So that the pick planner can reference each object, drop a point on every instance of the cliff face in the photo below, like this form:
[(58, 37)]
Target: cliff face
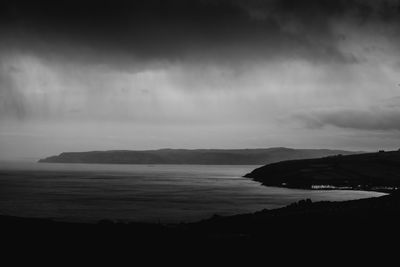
[(370, 171), (198, 156)]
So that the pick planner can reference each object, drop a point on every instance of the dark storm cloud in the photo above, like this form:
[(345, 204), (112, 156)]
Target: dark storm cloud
[(189, 73), (178, 30), (381, 119)]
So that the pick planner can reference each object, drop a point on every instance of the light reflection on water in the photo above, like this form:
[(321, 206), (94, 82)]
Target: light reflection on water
[(152, 193)]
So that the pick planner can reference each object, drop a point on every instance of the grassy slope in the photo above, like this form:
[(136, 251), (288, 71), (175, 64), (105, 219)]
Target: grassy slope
[(370, 171)]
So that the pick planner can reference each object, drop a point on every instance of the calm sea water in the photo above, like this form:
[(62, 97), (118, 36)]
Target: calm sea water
[(150, 193)]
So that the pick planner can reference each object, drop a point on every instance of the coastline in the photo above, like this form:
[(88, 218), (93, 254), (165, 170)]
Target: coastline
[(303, 218), (331, 188)]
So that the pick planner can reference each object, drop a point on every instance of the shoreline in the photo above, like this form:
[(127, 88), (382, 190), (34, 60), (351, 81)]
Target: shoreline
[(386, 191)]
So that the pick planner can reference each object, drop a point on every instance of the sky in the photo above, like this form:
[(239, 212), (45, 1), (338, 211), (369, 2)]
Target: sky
[(104, 75)]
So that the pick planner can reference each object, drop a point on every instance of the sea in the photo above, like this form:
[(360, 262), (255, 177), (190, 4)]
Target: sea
[(143, 193)]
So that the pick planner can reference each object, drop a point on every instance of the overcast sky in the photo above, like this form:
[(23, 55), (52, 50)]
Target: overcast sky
[(97, 75)]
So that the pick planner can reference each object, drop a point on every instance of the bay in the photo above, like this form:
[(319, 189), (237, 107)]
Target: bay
[(144, 193)]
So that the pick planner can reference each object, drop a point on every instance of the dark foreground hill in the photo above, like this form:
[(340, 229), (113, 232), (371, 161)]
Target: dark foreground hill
[(370, 171), (348, 222), (196, 156)]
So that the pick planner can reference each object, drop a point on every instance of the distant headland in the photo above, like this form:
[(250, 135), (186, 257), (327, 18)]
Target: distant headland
[(194, 156)]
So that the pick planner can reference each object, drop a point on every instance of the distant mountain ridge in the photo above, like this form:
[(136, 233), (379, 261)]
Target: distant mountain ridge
[(259, 156)]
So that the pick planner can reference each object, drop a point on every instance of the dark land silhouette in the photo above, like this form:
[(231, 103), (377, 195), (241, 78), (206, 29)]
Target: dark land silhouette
[(333, 221), (378, 171), (195, 156)]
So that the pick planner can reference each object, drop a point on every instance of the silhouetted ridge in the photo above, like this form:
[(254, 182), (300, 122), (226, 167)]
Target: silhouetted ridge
[(195, 156)]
